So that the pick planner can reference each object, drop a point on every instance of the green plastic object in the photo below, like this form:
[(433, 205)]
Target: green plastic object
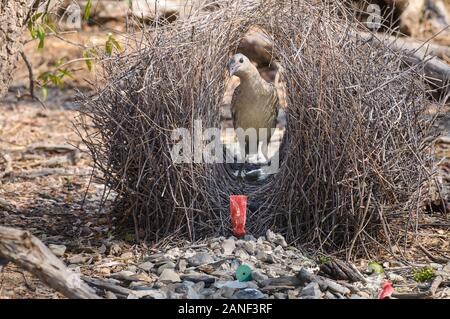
[(244, 273)]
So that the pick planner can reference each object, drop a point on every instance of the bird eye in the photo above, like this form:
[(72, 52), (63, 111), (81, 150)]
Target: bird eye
[(241, 60)]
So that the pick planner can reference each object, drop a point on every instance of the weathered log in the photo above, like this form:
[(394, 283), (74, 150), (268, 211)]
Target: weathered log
[(419, 53), (29, 253)]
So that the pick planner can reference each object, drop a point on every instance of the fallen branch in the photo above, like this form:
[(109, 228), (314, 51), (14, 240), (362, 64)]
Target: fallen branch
[(436, 259), (35, 173), (59, 148), (418, 52), (107, 286), (435, 285), (29, 253)]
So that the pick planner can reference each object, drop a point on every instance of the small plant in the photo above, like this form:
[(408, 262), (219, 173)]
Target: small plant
[(40, 25), (323, 260), (375, 268), (424, 274), (54, 77)]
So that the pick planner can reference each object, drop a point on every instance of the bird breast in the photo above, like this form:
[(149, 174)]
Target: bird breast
[(253, 109)]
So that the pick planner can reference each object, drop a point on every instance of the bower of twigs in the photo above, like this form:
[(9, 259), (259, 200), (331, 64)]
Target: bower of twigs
[(351, 160)]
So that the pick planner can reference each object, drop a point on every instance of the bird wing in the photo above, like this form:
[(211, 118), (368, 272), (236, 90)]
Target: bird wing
[(233, 104), (273, 103)]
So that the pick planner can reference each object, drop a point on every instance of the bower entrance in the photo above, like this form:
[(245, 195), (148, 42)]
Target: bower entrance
[(257, 46), (353, 160)]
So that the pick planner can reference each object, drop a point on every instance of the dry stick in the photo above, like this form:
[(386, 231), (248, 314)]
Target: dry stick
[(29, 253), (435, 285), (434, 67), (30, 73), (433, 258)]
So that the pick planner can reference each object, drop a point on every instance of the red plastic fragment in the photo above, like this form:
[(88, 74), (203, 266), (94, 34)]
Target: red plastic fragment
[(386, 291), (238, 212)]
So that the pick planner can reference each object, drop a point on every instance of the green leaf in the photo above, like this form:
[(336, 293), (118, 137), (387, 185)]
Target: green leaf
[(56, 80), (65, 72), (44, 77), (87, 10), (424, 274), (375, 267), (130, 4), (32, 30), (115, 43), (109, 47), (44, 92), (129, 237), (41, 35), (88, 60), (111, 43), (35, 17)]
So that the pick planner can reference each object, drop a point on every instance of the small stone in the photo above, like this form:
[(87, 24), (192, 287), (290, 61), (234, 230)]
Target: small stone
[(249, 238), (292, 294), (200, 259), (364, 295), (276, 238), (168, 265), (215, 245), (115, 250), (131, 276), (249, 293), (329, 295), (173, 253), (182, 264), (263, 247), (147, 294), (147, 266), (311, 290), (228, 246), (196, 277), (436, 266), (110, 295), (102, 249), (280, 295), (241, 254), (235, 284), (78, 259), (335, 287), (105, 271), (58, 250), (396, 278), (224, 275), (132, 268), (139, 285), (127, 255), (259, 277), (446, 268), (226, 292), (169, 276), (249, 247), (278, 250), (207, 292), (193, 294), (265, 257)]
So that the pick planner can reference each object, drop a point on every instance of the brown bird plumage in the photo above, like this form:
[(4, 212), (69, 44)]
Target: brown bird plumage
[(255, 102)]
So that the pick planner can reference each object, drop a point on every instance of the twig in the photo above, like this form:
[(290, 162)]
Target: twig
[(29, 253), (433, 258)]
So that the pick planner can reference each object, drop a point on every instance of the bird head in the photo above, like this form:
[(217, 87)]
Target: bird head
[(239, 64)]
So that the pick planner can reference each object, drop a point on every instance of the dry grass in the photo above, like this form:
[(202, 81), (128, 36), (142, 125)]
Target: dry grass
[(352, 159)]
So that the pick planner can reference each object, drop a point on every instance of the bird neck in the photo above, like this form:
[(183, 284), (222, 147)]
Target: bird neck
[(250, 81)]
